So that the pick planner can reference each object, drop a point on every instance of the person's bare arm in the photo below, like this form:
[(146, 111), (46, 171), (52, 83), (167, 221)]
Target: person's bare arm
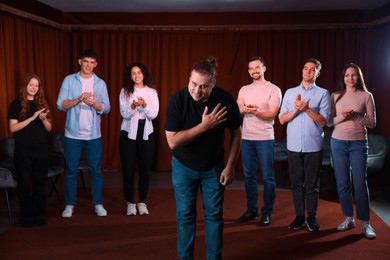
[(227, 175)]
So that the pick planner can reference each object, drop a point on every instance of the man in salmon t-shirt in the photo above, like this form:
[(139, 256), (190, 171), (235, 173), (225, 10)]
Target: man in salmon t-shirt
[(259, 103)]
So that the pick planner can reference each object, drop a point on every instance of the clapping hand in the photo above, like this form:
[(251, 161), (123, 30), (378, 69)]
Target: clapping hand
[(37, 113), (250, 108), (299, 104), (348, 114), (43, 114), (140, 102)]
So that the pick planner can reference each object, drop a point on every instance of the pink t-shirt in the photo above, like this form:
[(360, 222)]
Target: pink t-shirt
[(361, 102), (253, 127)]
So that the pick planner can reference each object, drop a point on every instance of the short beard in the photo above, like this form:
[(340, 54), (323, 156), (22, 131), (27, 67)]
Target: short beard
[(258, 77)]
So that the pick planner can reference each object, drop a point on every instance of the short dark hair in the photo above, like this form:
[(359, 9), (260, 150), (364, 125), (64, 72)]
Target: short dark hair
[(88, 53), (253, 58), (316, 62)]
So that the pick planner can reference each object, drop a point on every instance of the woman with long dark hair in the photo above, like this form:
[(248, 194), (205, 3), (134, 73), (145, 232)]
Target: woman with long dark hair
[(139, 105), (353, 110), (29, 121)]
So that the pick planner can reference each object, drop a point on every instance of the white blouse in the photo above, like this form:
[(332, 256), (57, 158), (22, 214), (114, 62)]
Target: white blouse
[(131, 117)]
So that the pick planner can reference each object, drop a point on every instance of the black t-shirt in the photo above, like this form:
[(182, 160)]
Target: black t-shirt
[(34, 133), (183, 112)]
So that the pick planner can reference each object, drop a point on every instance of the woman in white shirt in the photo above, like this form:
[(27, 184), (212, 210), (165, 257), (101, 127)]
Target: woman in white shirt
[(139, 105)]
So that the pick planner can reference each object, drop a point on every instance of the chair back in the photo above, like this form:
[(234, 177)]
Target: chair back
[(9, 147), (280, 150), (326, 158), (6, 179), (57, 140), (377, 152)]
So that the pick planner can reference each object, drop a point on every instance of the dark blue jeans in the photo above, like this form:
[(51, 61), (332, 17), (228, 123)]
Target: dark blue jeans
[(251, 153), (350, 157), (186, 184)]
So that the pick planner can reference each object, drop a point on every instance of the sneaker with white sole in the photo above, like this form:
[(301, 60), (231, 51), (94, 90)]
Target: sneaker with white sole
[(131, 209), (298, 223), (68, 211), (369, 232), (312, 224), (142, 209), (347, 224), (100, 211)]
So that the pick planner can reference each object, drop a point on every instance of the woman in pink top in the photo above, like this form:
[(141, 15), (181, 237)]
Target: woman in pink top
[(353, 110)]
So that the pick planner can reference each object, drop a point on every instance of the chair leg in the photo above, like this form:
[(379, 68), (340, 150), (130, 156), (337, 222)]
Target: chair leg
[(9, 206), (54, 187), (82, 179)]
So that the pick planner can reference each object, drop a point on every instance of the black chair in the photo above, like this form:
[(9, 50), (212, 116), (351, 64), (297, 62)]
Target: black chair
[(377, 153), (281, 155), (7, 181), (328, 179), (55, 167), (58, 146), (8, 146), (56, 162), (326, 148)]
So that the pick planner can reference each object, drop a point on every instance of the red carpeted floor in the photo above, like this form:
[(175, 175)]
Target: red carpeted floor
[(117, 236)]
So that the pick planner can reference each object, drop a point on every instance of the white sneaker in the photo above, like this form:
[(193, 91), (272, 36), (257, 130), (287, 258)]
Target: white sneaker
[(347, 224), (100, 211), (142, 209), (68, 211), (131, 209), (369, 232)]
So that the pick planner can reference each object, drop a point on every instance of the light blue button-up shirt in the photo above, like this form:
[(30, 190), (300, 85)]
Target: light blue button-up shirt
[(71, 89), (303, 134)]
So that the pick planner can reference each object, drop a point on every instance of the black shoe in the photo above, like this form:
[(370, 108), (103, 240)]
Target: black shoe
[(248, 215), (312, 224), (298, 223), (265, 220)]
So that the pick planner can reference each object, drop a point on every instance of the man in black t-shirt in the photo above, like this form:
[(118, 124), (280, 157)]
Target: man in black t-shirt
[(196, 118)]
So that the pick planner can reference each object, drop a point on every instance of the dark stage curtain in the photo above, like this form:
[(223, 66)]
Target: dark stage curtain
[(52, 51)]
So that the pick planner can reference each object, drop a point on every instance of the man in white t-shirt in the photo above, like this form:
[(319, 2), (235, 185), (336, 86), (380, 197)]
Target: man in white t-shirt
[(259, 104), (84, 98)]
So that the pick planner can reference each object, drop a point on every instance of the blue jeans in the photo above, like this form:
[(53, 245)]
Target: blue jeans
[(186, 184), (350, 157), (94, 151), (262, 151)]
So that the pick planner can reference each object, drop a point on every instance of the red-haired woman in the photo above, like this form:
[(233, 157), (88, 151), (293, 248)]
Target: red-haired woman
[(29, 121)]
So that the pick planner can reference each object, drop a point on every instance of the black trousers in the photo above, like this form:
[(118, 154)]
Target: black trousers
[(136, 153), (31, 165), (304, 169)]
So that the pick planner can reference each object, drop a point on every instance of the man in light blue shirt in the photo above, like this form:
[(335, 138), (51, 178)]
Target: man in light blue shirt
[(306, 110), (84, 98)]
